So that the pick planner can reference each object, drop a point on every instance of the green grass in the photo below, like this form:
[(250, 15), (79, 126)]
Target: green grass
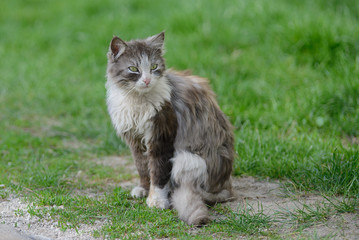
[(307, 215), (125, 215), (285, 72)]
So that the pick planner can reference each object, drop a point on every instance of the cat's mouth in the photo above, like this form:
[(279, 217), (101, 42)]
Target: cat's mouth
[(144, 88)]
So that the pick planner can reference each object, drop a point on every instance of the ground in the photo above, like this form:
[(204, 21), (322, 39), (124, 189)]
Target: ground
[(267, 197)]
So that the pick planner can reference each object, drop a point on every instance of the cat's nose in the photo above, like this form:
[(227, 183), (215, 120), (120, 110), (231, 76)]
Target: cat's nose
[(147, 81)]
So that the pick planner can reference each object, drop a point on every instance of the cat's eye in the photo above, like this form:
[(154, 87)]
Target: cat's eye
[(154, 66), (133, 69)]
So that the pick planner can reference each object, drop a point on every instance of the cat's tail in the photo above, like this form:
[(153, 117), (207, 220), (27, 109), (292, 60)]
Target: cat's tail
[(188, 172), (190, 206)]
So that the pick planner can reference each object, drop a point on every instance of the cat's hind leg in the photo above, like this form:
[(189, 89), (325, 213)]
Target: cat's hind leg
[(189, 172)]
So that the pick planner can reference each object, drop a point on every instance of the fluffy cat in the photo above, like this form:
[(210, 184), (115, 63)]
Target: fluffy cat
[(181, 141)]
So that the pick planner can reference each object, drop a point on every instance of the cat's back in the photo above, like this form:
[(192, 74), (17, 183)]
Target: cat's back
[(200, 120), (189, 88)]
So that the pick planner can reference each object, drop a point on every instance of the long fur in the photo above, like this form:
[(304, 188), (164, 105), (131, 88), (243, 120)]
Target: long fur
[(180, 139), (189, 205), (132, 111), (189, 172)]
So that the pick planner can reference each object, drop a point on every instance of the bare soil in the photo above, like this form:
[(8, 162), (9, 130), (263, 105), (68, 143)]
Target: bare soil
[(251, 193)]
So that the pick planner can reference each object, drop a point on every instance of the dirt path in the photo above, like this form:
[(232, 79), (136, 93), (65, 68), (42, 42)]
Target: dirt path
[(251, 193), (273, 200)]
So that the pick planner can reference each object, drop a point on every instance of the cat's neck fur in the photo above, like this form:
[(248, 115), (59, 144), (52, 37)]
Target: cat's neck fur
[(131, 111)]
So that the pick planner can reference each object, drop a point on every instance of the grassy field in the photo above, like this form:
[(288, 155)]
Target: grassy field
[(285, 72)]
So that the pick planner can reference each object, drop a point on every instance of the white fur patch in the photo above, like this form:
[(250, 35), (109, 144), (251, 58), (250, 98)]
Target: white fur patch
[(131, 111), (188, 167), (158, 197), (139, 192)]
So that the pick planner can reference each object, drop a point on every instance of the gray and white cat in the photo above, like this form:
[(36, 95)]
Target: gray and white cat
[(181, 141)]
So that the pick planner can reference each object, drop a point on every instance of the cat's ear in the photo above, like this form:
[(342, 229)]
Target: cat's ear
[(117, 47), (157, 41)]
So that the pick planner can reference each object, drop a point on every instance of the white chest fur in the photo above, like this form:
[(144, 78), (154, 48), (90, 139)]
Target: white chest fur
[(133, 111)]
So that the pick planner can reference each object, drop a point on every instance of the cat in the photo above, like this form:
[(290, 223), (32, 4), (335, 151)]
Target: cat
[(180, 140)]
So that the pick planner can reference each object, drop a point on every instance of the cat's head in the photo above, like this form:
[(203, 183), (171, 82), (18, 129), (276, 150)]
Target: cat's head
[(136, 65)]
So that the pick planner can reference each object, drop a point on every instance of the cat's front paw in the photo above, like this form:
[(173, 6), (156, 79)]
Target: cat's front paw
[(162, 203), (158, 198), (139, 192)]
